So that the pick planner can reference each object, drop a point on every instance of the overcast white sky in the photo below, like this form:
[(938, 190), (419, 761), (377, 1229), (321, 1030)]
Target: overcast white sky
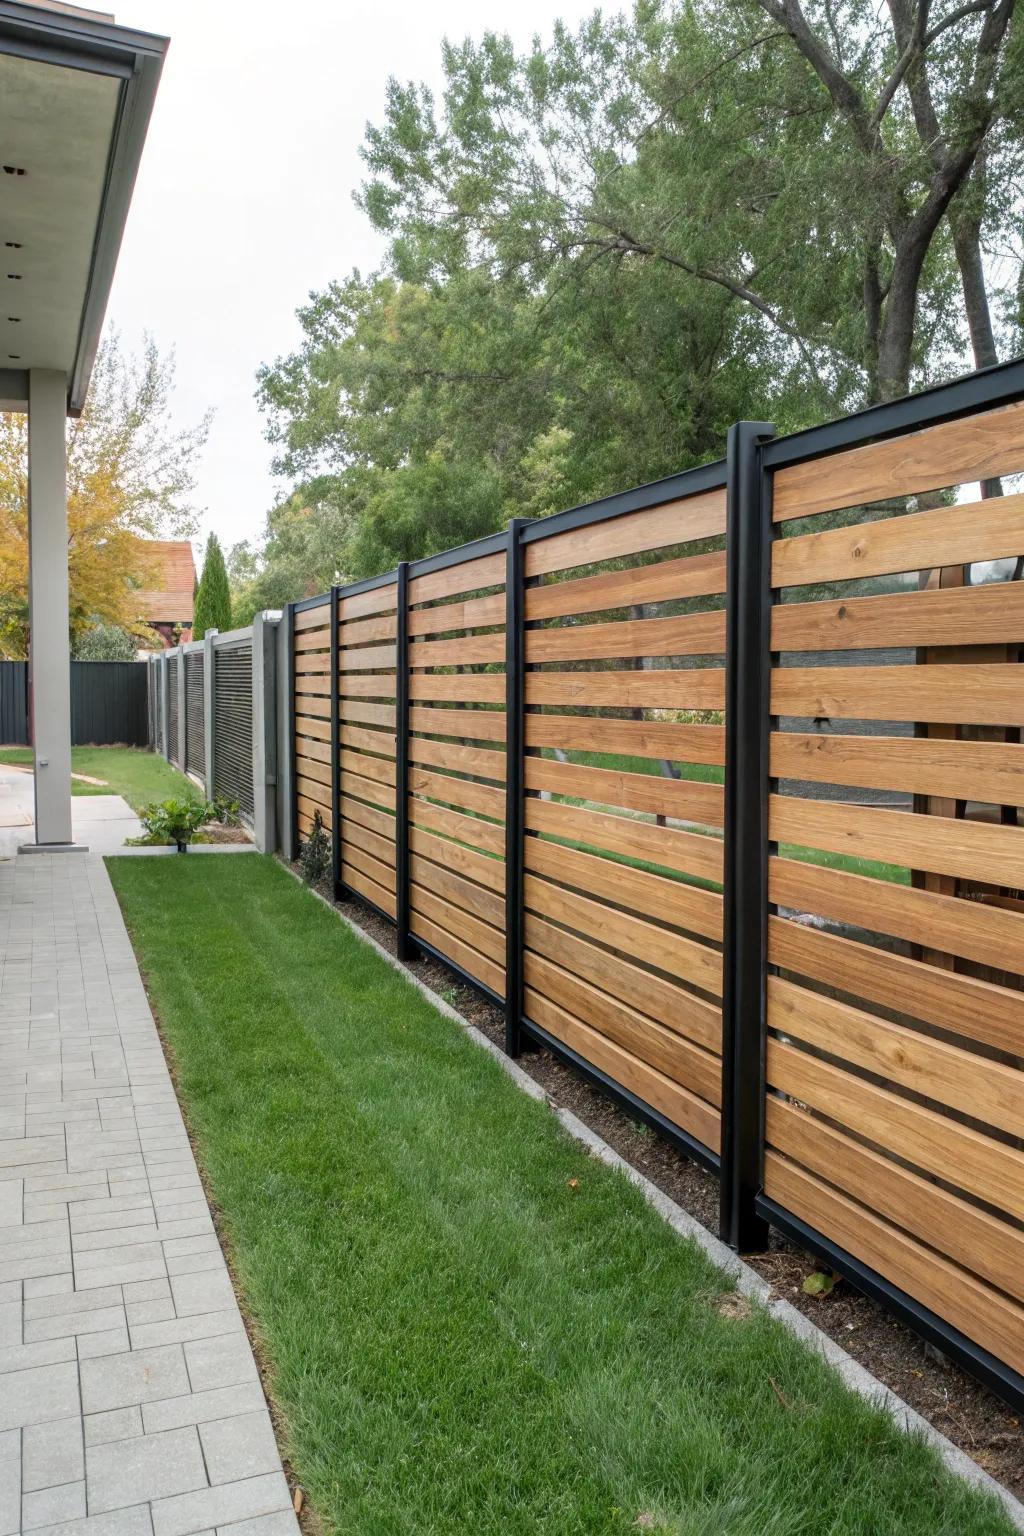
[(244, 200)]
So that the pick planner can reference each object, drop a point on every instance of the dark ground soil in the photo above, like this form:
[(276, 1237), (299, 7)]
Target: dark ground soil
[(957, 1405)]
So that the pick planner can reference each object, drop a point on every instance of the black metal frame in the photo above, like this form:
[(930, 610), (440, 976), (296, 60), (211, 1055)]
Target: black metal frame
[(404, 945), (335, 738), (515, 790), (745, 884)]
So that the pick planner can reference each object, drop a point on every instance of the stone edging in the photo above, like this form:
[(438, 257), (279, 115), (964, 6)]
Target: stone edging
[(747, 1280)]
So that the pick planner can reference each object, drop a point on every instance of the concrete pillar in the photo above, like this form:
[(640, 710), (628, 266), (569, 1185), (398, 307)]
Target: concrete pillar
[(179, 745), (165, 696), (50, 650), (209, 706), (264, 730), (285, 802)]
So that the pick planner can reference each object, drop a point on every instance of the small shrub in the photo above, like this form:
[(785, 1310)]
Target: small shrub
[(174, 821), (226, 811), (315, 853)]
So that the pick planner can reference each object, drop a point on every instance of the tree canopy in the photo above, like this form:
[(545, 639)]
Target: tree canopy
[(604, 250), (213, 597)]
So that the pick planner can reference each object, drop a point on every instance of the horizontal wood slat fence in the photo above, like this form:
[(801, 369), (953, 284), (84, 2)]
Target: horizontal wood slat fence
[(714, 787)]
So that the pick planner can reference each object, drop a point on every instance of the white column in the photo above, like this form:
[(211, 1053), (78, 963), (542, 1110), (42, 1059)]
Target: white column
[(50, 651)]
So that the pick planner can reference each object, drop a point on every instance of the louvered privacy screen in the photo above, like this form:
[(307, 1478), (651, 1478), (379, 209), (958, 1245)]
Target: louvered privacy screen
[(232, 724), (752, 861), (195, 730), (158, 693)]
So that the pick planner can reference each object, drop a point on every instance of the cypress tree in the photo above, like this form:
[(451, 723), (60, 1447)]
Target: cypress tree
[(213, 596)]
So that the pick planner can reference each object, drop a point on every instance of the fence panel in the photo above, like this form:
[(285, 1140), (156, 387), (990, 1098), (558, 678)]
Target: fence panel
[(172, 707), (894, 1114), (14, 703), (195, 732), (311, 715), (366, 692), (232, 724)]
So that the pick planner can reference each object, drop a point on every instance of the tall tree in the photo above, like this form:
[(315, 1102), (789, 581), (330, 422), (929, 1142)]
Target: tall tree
[(130, 479), (213, 595)]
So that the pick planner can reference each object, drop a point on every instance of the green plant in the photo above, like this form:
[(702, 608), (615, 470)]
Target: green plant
[(213, 598), (226, 810), (315, 853), (175, 821)]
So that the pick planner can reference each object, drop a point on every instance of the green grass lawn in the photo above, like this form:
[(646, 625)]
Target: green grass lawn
[(469, 1325), (138, 775)]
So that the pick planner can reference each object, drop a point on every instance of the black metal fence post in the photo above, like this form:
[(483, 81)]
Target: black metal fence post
[(747, 727), (339, 890), (515, 710), (405, 948)]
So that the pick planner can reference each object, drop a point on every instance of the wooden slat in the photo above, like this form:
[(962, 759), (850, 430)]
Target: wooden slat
[(364, 631), (978, 1010), (454, 856), (311, 789), (991, 614), (691, 576), (930, 1141), (313, 618), (694, 634), (968, 1235), (309, 769), (961, 770), (466, 688), (666, 1001), (311, 687), (953, 453), (368, 789), (469, 576), (468, 650), (367, 658), (669, 901), (312, 708), (960, 695), (675, 522), (471, 960), (313, 642), (959, 535), (948, 924), (376, 600), (472, 797), (308, 808), (368, 741), (473, 760), (973, 850), (984, 1315), (357, 881), (368, 714), (365, 685), (688, 799), (985, 1090), (473, 613), (354, 835), (691, 853), (313, 751), (355, 857), (481, 936), (484, 835), (304, 818), (641, 940), (307, 727), (369, 767), (472, 724), (650, 1042), (636, 738), (671, 1099), (693, 688), (457, 890), (313, 664), (368, 816)]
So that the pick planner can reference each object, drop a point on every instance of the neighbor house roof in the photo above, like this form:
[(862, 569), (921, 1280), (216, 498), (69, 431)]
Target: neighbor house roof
[(169, 596)]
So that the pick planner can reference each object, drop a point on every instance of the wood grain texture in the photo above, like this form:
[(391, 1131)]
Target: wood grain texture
[(311, 727), (367, 685), (473, 613), (949, 924), (466, 651), (313, 641), (958, 695), (633, 936), (992, 614), (953, 453), (363, 631), (367, 658), (313, 664), (690, 576), (378, 768), (306, 811), (691, 853), (359, 882), (461, 792), (315, 751), (694, 634), (962, 770), (468, 724), (660, 688), (355, 856), (473, 760), (368, 714), (681, 1011), (670, 1098), (992, 1320), (475, 866), (470, 959), (458, 891), (687, 799), (369, 816), (637, 738), (368, 789), (659, 1047), (972, 850), (466, 688), (469, 576), (311, 708), (977, 1010), (356, 736), (669, 901), (968, 1235), (309, 769), (377, 600), (959, 1079), (675, 522), (314, 618), (968, 1159), (470, 830), (455, 919), (319, 795)]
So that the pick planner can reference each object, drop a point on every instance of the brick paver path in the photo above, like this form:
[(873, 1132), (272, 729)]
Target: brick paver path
[(129, 1399)]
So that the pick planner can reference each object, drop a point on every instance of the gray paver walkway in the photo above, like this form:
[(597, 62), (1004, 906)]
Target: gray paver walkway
[(129, 1399)]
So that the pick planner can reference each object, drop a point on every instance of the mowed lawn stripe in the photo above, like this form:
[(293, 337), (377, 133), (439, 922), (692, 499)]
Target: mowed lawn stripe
[(469, 1325)]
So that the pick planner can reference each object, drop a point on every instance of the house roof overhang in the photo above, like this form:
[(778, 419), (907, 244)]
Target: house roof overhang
[(76, 94)]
